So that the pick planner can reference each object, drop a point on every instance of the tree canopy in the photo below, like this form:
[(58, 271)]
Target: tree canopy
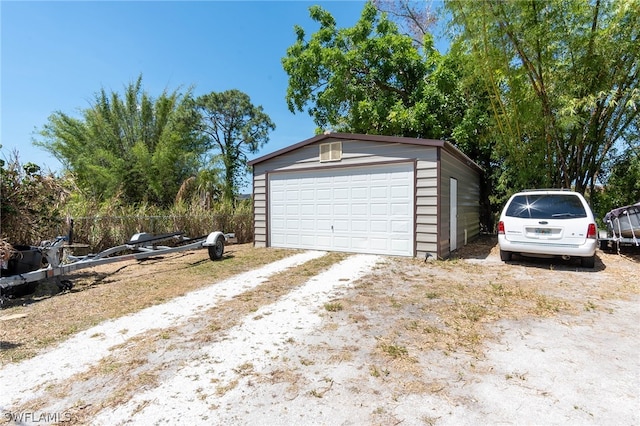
[(364, 79), (131, 146), (563, 79), (232, 127)]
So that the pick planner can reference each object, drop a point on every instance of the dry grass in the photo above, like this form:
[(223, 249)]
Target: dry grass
[(112, 291), (442, 313)]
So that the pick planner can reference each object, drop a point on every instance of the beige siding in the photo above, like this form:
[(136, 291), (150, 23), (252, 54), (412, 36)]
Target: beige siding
[(354, 153), (468, 221), (427, 205), (260, 210)]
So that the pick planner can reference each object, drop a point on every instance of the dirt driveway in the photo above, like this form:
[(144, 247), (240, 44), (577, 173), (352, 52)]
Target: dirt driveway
[(326, 338)]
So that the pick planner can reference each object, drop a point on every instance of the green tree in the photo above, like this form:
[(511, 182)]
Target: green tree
[(621, 187), (129, 146), (373, 79), (563, 83), (232, 127), (364, 79)]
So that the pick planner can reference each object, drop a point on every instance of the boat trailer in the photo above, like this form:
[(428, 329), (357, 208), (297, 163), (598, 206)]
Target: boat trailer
[(50, 260), (623, 228)]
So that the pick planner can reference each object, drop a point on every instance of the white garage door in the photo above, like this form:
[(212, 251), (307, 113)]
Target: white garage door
[(362, 210)]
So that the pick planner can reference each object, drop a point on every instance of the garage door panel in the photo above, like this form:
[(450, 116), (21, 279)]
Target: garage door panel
[(307, 240), (359, 226), (378, 209), (379, 225), (340, 210), (399, 226), (308, 194), (323, 224), (360, 209), (400, 209), (341, 242), (341, 226), (359, 193), (399, 192), (277, 240), (292, 239), (323, 194), (341, 194), (323, 241), (365, 209), (382, 176), (277, 196), (324, 210), (307, 224), (380, 244), (400, 245), (361, 243), (308, 209), (378, 192)]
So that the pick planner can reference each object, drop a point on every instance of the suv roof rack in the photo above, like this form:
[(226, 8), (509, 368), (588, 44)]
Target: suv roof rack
[(547, 189)]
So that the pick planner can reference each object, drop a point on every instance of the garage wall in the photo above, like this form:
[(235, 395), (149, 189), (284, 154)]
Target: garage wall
[(357, 153), (427, 206), (434, 166), (260, 210), (354, 153), (468, 201)]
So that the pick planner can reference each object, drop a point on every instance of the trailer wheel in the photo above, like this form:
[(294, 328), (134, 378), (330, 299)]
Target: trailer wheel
[(216, 251), (64, 285)]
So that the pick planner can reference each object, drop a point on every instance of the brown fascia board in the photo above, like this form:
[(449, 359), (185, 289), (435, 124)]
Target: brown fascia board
[(374, 138)]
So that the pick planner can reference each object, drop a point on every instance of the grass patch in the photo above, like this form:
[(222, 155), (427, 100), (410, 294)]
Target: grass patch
[(333, 306)]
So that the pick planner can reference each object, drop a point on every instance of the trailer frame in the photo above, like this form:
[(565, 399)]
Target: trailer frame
[(140, 246)]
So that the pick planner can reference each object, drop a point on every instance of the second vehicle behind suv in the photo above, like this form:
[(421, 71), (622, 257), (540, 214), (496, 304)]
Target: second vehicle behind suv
[(548, 223)]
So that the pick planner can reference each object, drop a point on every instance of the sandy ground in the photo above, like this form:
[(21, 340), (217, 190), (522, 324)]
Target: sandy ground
[(292, 362)]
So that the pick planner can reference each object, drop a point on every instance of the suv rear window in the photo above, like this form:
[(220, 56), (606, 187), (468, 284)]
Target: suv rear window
[(546, 206)]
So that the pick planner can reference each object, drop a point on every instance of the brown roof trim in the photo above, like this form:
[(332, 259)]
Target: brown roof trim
[(373, 138)]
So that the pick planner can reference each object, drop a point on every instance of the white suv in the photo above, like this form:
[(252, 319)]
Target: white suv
[(547, 223)]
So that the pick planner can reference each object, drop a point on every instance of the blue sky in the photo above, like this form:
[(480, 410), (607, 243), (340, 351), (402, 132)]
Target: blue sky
[(56, 55)]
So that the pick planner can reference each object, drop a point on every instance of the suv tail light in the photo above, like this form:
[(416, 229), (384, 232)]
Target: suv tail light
[(591, 232), (501, 227)]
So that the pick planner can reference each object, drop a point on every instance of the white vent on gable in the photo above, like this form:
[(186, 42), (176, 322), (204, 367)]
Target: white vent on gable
[(331, 151)]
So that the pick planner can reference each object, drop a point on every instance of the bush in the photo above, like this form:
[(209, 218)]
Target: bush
[(31, 202), (113, 227), (36, 206)]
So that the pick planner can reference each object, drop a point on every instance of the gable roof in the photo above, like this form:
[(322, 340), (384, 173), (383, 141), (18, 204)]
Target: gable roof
[(372, 138)]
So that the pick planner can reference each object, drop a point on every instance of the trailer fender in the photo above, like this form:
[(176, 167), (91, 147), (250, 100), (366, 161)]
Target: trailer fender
[(215, 243)]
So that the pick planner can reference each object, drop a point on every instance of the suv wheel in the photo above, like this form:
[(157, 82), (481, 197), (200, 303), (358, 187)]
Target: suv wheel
[(588, 262), (505, 256)]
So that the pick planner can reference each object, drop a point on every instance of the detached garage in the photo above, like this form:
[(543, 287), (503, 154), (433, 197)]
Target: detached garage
[(366, 194)]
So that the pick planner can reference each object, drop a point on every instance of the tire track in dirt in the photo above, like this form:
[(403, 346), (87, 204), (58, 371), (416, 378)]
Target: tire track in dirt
[(27, 380), (188, 396)]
